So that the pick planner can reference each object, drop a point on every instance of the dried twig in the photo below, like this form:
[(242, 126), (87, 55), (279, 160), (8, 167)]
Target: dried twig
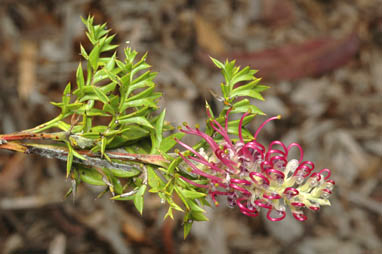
[(124, 161)]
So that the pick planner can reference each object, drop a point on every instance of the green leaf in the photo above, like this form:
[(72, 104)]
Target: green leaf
[(62, 125), (94, 112), (157, 140), (93, 57), (144, 94), (69, 160), (187, 228), (142, 80), (66, 94), (103, 145), (198, 216), (100, 75), (124, 173), (136, 120), (83, 53), (77, 155), (218, 64), (245, 74), (173, 204), (117, 186), (173, 165), (153, 179), (260, 88), (138, 199), (136, 132), (248, 86), (80, 77), (108, 88), (192, 194), (182, 197), (249, 93), (100, 95), (110, 63), (194, 207), (91, 176), (245, 106), (169, 213), (149, 102), (235, 123), (169, 141)]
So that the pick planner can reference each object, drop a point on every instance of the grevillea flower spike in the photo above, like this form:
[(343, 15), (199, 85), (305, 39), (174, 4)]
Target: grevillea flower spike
[(254, 177)]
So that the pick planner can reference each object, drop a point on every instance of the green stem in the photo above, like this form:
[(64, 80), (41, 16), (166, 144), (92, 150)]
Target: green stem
[(45, 126)]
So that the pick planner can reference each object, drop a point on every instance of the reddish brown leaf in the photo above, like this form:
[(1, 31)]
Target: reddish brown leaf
[(11, 171), (290, 62)]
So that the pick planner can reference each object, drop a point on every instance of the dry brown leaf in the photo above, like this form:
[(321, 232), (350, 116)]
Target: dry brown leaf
[(294, 61), (27, 69), (207, 37), (133, 228), (11, 171)]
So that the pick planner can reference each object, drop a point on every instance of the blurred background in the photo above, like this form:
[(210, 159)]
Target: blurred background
[(322, 59)]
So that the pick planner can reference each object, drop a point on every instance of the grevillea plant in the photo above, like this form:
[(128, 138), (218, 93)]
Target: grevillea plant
[(112, 134)]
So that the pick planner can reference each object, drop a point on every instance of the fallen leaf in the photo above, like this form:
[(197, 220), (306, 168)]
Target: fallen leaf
[(207, 37), (27, 69), (294, 61)]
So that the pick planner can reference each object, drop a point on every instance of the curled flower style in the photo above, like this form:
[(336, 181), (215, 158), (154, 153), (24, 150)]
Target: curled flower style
[(254, 177)]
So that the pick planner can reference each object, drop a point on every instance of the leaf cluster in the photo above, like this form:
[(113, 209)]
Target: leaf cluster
[(113, 105)]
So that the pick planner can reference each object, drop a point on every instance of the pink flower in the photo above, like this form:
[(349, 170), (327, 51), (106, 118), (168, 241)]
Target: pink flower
[(254, 177)]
